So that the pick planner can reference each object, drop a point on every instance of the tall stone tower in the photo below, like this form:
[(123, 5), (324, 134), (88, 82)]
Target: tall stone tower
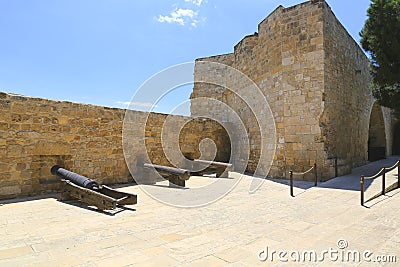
[(315, 78)]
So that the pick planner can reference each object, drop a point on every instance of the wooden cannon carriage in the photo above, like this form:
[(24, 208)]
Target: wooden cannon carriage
[(175, 176), (220, 168), (90, 192), (178, 176)]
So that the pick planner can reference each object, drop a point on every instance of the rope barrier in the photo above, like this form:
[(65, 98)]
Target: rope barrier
[(376, 175), (303, 173), (388, 169), (291, 173), (382, 173)]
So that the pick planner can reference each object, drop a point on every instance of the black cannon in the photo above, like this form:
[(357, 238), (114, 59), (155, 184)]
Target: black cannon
[(220, 168), (175, 176), (90, 192), (75, 178)]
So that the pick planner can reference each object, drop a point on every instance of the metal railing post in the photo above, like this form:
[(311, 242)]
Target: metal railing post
[(315, 174), (291, 183), (383, 180), (398, 174), (336, 167), (362, 189)]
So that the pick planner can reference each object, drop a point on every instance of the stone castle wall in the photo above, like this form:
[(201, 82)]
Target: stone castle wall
[(315, 78), (313, 74), (285, 59), (347, 97), (37, 133)]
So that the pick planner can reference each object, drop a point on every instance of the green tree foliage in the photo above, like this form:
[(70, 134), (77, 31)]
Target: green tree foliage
[(380, 37)]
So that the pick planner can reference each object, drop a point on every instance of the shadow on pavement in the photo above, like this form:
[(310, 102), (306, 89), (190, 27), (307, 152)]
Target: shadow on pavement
[(352, 181), (82, 205)]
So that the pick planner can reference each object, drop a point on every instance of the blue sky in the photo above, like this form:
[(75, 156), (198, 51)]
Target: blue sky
[(101, 51)]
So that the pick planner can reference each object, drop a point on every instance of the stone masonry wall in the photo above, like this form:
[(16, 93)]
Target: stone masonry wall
[(348, 100), (285, 60), (37, 133), (316, 80)]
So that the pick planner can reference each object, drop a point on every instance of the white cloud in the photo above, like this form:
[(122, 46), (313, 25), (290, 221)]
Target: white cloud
[(180, 16), (197, 21), (196, 2), (136, 104)]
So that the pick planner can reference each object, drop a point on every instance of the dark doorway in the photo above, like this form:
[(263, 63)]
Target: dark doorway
[(377, 136)]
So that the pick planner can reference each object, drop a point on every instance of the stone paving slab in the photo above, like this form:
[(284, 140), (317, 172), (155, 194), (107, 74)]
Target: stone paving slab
[(231, 231)]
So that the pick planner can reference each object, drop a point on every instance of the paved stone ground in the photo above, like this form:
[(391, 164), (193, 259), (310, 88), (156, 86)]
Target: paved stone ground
[(231, 231)]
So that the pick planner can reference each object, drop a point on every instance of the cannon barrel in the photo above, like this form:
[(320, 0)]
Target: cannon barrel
[(185, 174), (74, 178), (222, 164)]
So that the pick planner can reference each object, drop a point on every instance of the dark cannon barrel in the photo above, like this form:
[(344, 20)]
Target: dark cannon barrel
[(185, 174), (75, 178)]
